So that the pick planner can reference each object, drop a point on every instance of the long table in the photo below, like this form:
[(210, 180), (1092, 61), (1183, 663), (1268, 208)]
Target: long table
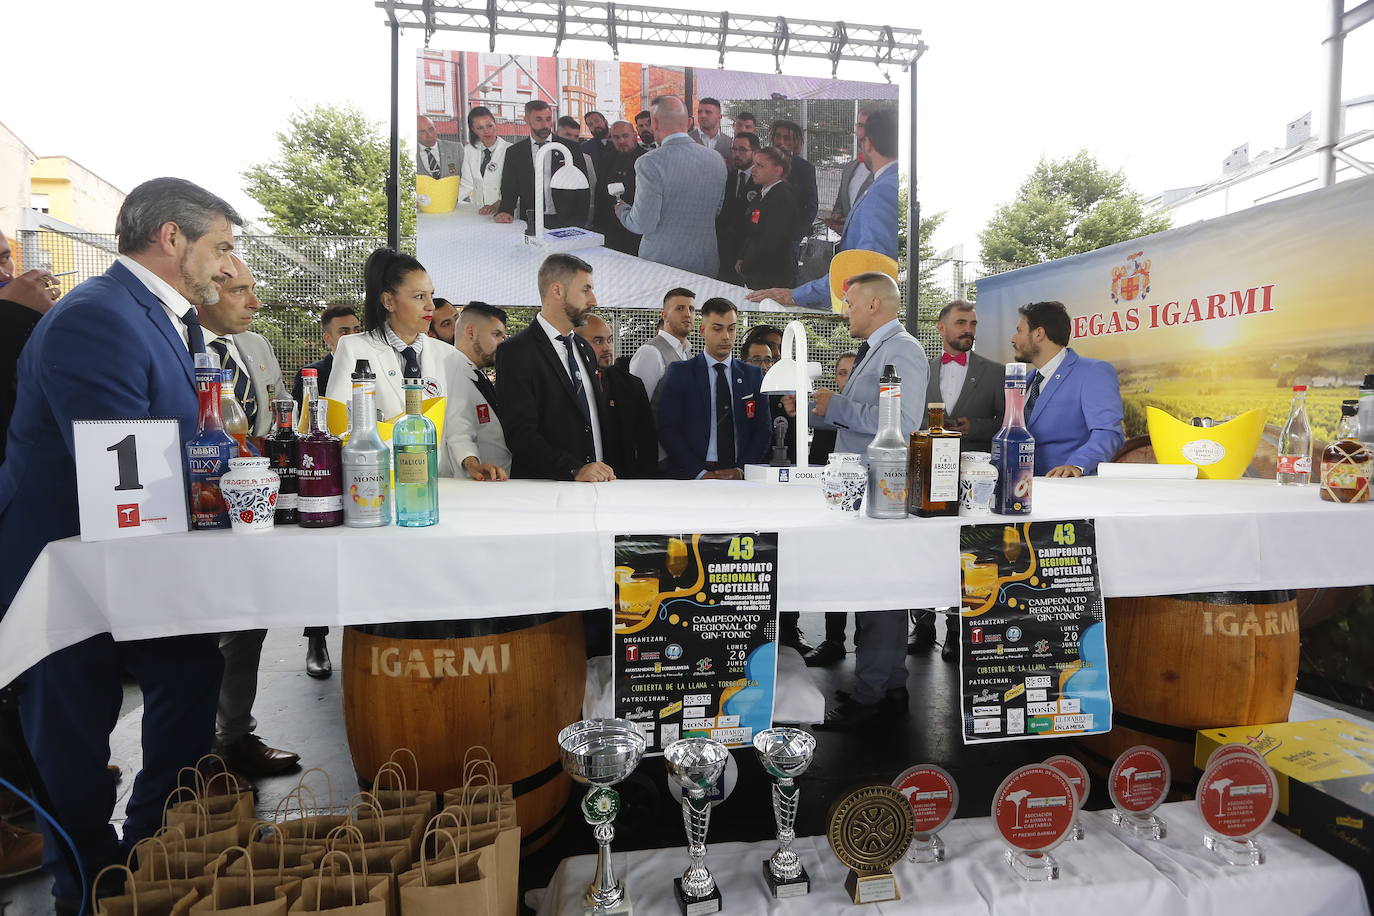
[(521, 547)]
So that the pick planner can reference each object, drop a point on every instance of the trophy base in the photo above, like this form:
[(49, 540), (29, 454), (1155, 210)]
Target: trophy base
[(1033, 866), (1148, 827), (799, 886), (623, 908), (872, 888), (927, 851), (1234, 852), (696, 906), (1077, 832)]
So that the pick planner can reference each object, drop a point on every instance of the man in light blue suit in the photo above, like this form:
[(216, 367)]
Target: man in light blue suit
[(872, 223), (117, 347), (1073, 404), (679, 188)]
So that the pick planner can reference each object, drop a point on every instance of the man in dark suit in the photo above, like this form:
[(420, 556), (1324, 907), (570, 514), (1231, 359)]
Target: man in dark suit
[(338, 319), (768, 257), (628, 414), (117, 347), (617, 167), (599, 149), (712, 417), (553, 408), (730, 224), (787, 136), (562, 207), (23, 300)]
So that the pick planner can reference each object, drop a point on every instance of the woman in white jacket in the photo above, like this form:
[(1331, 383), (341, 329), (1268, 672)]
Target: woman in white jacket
[(484, 156), (398, 306)]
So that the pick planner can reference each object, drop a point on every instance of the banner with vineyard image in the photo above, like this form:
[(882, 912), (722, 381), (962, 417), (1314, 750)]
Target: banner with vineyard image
[(1222, 316)]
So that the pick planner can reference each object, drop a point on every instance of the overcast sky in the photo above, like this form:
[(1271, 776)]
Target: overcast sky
[(1164, 89)]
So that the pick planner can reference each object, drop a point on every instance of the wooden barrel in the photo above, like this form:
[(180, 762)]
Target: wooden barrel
[(438, 688), (1180, 663)]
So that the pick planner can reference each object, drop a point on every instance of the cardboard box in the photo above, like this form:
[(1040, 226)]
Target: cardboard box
[(1325, 772)]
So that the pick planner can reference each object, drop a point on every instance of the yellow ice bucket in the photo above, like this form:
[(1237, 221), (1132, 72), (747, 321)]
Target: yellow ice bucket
[(436, 195), (1220, 452)]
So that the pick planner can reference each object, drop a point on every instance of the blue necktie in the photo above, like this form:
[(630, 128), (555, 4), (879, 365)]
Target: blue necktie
[(578, 388), (195, 338), (1033, 396)]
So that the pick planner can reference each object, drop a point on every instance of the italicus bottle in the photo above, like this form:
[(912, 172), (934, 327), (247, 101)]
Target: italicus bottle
[(281, 448), (319, 479), (366, 459), (416, 452), (887, 453), (1013, 449), (209, 451)]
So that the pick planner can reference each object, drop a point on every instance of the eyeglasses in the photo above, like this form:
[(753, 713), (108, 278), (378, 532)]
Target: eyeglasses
[(760, 361)]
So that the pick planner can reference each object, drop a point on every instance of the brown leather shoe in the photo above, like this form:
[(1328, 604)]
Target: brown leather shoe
[(21, 851), (249, 756)]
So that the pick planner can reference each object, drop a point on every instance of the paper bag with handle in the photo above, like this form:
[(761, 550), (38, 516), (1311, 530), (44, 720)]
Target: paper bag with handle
[(340, 891), (391, 830), (269, 849), (141, 898), (489, 827), (165, 856), (448, 881), (477, 762), (252, 894), (319, 819), (204, 831), (231, 800), (398, 789)]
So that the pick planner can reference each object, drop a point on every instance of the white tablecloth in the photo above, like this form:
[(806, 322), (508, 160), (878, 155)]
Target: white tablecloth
[(1103, 873), (522, 547)]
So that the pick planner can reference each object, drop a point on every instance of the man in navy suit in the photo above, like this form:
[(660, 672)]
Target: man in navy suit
[(117, 347), (1073, 404), (712, 417)]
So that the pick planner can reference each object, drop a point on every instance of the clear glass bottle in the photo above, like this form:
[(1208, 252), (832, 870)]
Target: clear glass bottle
[(281, 448), (209, 451), (885, 496), (415, 450), (366, 458), (319, 481), (1347, 463), (933, 470), (235, 419), (1013, 449), (310, 390), (1295, 444)]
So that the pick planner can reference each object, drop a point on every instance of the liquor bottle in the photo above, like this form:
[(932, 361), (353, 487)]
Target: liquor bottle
[(417, 463), (1347, 463), (1013, 449), (933, 468), (366, 459), (235, 420), (1367, 410), (310, 390), (281, 448), (319, 479), (1295, 444), (209, 451), (887, 454)]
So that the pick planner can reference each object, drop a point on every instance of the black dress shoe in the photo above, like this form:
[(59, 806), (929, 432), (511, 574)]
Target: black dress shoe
[(793, 638), (827, 653), (317, 658), (896, 698), (950, 650), (923, 637), (852, 716)]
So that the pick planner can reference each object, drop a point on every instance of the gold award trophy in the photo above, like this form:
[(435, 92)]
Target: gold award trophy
[(870, 829)]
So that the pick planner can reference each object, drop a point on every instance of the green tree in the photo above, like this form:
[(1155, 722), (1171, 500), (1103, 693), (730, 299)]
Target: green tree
[(329, 176), (930, 291), (1065, 207)]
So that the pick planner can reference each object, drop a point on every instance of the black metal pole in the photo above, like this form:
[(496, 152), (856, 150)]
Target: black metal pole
[(393, 184), (913, 224)]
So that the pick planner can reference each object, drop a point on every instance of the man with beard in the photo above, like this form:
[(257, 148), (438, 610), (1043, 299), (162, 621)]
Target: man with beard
[(708, 132), (479, 448), (445, 322), (564, 208), (552, 404), (628, 416), (730, 224), (118, 347), (599, 148), (619, 168)]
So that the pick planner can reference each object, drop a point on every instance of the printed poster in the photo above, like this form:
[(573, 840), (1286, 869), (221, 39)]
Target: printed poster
[(1033, 641), (695, 647)]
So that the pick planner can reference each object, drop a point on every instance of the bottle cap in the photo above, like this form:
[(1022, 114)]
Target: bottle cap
[(1299, 387), (1016, 369), (206, 361), (1350, 408), (310, 373), (413, 383), (933, 404), (890, 376), (362, 369)]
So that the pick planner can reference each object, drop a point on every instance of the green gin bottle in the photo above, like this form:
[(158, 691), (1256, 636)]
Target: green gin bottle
[(416, 449)]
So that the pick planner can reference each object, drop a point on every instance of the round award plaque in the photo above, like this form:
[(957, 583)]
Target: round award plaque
[(1237, 796), (932, 795), (1077, 773), (870, 828), (1034, 808), (1139, 780), (1226, 750)]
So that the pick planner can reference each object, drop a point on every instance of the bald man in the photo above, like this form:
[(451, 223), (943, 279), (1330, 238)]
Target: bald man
[(435, 157), (679, 188), (629, 421), (872, 301), (247, 354)]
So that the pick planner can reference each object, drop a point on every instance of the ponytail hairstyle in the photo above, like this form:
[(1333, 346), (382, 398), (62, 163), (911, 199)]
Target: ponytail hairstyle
[(384, 273)]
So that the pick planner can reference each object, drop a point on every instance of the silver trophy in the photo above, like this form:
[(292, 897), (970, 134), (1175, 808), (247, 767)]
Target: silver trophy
[(785, 753), (600, 753), (696, 764)]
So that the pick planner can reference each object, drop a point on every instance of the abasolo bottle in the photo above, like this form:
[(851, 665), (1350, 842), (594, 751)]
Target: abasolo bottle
[(933, 472), (209, 451), (1013, 449)]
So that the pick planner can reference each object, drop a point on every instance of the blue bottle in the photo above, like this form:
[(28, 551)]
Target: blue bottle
[(1013, 450), (209, 451)]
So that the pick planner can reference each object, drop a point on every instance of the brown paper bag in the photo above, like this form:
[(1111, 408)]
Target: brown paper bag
[(205, 831), (395, 790), (343, 894), (449, 884), (479, 769), (369, 859), (144, 899), (241, 804), (377, 826), (166, 856), (269, 850), (250, 895), (314, 822)]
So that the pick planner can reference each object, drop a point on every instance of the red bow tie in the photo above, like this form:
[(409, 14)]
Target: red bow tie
[(961, 359)]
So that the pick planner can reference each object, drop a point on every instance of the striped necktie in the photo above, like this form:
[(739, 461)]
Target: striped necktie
[(243, 388)]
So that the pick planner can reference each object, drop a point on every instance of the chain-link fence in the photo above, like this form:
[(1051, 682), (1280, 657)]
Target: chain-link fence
[(298, 276)]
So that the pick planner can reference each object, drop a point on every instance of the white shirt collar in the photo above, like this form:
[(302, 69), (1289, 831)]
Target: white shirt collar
[(678, 345), (1051, 367), (764, 192), (712, 361), (550, 330), (878, 174), (159, 287)]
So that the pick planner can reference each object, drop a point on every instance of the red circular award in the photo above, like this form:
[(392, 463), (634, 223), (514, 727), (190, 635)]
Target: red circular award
[(1034, 808), (1226, 750), (1139, 780), (933, 797), (1077, 773), (1237, 796)]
